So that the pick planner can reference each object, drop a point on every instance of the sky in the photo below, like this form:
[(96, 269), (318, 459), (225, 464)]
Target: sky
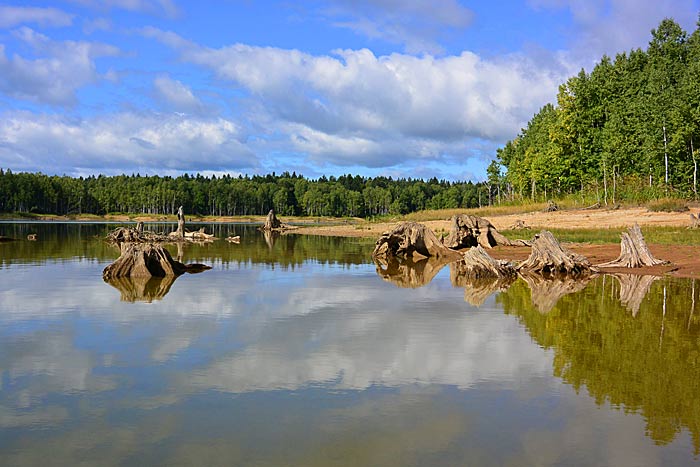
[(401, 88)]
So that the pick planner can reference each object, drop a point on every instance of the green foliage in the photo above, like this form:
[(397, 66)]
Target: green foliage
[(629, 130), (345, 196)]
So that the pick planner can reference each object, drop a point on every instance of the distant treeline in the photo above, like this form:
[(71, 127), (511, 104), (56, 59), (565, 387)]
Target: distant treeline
[(287, 194), (628, 130)]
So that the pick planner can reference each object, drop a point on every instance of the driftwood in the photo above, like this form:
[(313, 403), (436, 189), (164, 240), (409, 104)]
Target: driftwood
[(409, 238), (634, 252), (545, 292), (408, 273), (591, 207), (31, 237), (633, 289), (236, 239), (147, 260), (550, 258), (468, 231)]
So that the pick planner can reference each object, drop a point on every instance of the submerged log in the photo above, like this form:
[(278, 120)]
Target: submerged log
[(409, 238), (549, 257), (4, 239), (634, 252), (147, 260), (468, 231)]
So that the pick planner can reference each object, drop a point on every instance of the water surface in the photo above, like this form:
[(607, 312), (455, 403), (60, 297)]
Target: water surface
[(299, 351)]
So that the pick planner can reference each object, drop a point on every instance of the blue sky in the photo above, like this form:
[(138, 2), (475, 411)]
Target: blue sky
[(407, 88)]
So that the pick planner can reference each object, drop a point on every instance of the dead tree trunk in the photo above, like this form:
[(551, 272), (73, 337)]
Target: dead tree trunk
[(634, 252), (408, 238), (180, 232), (550, 258), (694, 221)]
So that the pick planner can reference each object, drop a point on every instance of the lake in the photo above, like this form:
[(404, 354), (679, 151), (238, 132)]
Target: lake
[(298, 350)]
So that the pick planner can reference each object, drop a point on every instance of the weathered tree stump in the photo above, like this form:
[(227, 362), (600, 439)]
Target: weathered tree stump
[(633, 289), (694, 221), (468, 231), (551, 206), (634, 252), (409, 238), (31, 237), (519, 225), (271, 222), (549, 257), (477, 264), (147, 260)]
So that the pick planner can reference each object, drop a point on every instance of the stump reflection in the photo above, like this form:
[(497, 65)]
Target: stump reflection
[(142, 289)]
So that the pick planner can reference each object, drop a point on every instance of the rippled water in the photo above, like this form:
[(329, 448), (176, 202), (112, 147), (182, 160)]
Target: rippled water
[(300, 351)]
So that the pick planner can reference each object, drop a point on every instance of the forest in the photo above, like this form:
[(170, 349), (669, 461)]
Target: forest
[(627, 131), (288, 194)]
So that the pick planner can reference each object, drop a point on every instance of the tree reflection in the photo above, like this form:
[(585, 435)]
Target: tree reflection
[(647, 361)]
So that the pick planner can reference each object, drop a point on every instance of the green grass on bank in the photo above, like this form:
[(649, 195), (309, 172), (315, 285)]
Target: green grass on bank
[(652, 235)]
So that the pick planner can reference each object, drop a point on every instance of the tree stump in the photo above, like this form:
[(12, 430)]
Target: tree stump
[(694, 221), (147, 260), (551, 206), (634, 252), (409, 238), (271, 222), (468, 231), (477, 264), (550, 258)]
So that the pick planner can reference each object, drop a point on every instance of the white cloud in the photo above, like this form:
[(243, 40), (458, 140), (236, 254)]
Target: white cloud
[(61, 69), (121, 142), (355, 107), (11, 16), (417, 24), (174, 94)]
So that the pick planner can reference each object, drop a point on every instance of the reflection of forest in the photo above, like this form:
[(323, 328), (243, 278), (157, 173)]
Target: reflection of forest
[(648, 363)]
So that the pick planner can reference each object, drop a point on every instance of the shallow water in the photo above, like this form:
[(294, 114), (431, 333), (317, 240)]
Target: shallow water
[(300, 351)]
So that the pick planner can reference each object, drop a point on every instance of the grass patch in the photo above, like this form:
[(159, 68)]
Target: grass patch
[(668, 205), (652, 235)]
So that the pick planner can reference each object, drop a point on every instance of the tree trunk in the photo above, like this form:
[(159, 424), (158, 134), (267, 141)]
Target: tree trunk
[(634, 252), (180, 232)]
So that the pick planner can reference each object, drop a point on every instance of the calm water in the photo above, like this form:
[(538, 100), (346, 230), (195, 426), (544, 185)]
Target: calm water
[(299, 351)]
